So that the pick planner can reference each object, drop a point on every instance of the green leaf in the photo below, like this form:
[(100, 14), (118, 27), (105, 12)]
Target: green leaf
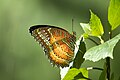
[(85, 35), (78, 60), (86, 28), (112, 76), (95, 25), (73, 72), (114, 13), (103, 74), (102, 51)]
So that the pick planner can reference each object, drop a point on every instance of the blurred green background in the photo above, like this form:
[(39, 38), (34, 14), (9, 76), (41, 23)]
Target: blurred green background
[(21, 58)]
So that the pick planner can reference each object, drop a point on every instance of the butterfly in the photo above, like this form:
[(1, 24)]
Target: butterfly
[(57, 43)]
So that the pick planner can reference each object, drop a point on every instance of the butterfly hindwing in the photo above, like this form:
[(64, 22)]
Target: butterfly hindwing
[(57, 43)]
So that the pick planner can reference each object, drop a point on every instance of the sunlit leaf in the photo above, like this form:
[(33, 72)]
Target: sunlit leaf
[(95, 25), (86, 27), (114, 13), (73, 72), (85, 35), (102, 51)]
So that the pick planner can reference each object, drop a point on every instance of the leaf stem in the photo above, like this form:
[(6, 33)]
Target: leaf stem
[(98, 68), (101, 40), (89, 68)]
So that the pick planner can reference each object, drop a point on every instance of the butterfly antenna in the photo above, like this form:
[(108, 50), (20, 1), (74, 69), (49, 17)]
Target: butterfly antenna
[(73, 32), (72, 25)]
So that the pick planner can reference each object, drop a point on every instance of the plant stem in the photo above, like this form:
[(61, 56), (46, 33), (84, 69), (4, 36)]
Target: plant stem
[(108, 67), (108, 61)]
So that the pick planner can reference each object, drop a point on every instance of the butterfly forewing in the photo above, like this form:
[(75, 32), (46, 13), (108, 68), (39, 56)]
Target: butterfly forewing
[(57, 43)]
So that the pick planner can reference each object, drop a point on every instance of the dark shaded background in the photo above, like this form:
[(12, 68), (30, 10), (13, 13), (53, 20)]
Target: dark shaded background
[(21, 58)]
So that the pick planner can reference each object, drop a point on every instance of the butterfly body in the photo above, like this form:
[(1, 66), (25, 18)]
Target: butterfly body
[(57, 43)]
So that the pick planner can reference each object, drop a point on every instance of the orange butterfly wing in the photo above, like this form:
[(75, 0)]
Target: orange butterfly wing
[(57, 43)]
